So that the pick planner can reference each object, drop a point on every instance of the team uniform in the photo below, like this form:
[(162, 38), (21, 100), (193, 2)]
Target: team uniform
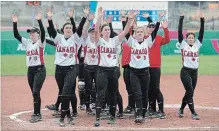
[(35, 62), (189, 71), (139, 72), (91, 61), (107, 74), (154, 92), (81, 81), (65, 61), (74, 99), (126, 54)]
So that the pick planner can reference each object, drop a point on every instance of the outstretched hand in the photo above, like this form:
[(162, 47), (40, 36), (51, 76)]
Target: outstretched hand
[(49, 14), (14, 18), (145, 15), (100, 11), (71, 13), (39, 15), (86, 10)]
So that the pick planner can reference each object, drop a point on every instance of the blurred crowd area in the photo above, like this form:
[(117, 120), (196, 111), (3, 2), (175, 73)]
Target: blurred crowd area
[(26, 12)]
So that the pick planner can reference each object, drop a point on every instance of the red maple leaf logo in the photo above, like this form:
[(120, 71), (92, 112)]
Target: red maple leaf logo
[(193, 59), (65, 55), (109, 55), (138, 57)]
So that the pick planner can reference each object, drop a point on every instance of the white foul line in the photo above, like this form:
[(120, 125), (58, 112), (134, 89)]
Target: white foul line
[(15, 118)]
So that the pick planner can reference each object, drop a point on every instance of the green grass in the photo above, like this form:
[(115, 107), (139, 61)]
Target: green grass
[(16, 65)]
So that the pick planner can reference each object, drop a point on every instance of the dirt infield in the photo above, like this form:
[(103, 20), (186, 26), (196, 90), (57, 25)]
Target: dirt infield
[(16, 98)]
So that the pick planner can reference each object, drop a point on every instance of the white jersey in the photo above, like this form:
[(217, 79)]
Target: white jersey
[(66, 50), (190, 55), (139, 52), (91, 52), (34, 52), (108, 53)]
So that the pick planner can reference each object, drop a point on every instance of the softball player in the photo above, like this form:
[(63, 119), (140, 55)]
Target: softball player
[(67, 46), (139, 69), (91, 60), (126, 54), (74, 98), (155, 63), (189, 72), (35, 61), (118, 50), (107, 73)]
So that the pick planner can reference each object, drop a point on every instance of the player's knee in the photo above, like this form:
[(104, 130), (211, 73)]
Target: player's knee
[(36, 95)]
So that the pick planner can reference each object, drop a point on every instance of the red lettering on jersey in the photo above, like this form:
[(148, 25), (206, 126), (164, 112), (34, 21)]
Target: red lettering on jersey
[(190, 54), (67, 50), (32, 52), (139, 51), (108, 50)]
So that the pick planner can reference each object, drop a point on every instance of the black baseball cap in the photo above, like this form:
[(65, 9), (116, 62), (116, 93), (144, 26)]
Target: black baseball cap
[(151, 24), (34, 29), (91, 29)]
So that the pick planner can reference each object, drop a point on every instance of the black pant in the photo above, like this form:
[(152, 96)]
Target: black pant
[(81, 89), (140, 79), (66, 80), (189, 79), (126, 77), (90, 72), (36, 77), (107, 77), (154, 90)]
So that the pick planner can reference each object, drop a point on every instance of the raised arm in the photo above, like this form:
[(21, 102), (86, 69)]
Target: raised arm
[(86, 26), (80, 27), (70, 14), (97, 26), (112, 33), (16, 33), (166, 38), (201, 31), (131, 19), (154, 33), (51, 26), (42, 30), (180, 34), (147, 16), (50, 42)]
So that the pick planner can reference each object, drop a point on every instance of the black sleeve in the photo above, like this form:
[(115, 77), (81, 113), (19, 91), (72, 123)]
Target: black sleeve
[(42, 30), (80, 27), (16, 33), (112, 33), (123, 26), (73, 24), (180, 35), (50, 42), (154, 33), (49, 32), (59, 31), (53, 30), (79, 52), (149, 19), (201, 31)]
